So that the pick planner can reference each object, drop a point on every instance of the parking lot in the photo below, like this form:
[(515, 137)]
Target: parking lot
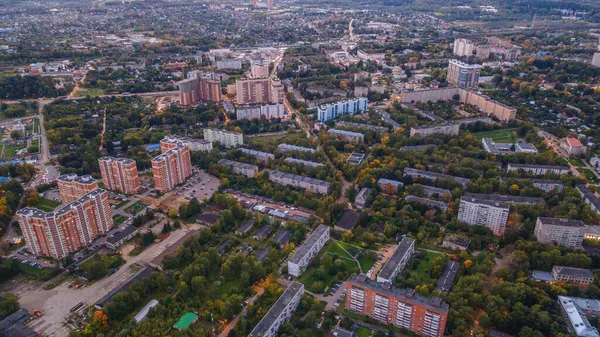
[(28, 259), (200, 186)]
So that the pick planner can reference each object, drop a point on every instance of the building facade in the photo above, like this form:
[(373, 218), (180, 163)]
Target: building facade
[(288, 179), (539, 169), (563, 232), (396, 263), (575, 275), (195, 90), (259, 90), (226, 138), (171, 141), (280, 312), (74, 226), (451, 129), (240, 168), (463, 75), (119, 174), (72, 187), (348, 107), (463, 47), (492, 215), (425, 316), (298, 263), (171, 168), (268, 111), (352, 137)]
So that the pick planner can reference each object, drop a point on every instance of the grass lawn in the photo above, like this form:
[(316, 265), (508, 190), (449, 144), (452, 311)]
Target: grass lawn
[(36, 125), (9, 150), (119, 219), (121, 204), (364, 332), (425, 266), (589, 175), (330, 248), (47, 205), (135, 208), (89, 92), (38, 273), (498, 136), (366, 263), (277, 139), (575, 161)]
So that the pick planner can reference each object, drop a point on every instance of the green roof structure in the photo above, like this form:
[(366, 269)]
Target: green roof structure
[(185, 321)]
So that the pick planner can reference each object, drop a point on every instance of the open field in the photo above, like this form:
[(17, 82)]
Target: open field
[(364, 332), (119, 219), (589, 175), (308, 277), (575, 161), (498, 136), (135, 208), (47, 205), (90, 92)]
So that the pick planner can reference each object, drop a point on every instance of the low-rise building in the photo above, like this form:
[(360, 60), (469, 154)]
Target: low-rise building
[(573, 146), (244, 228), (298, 263), (569, 274), (288, 179), (362, 126), (394, 266), (455, 242), (575, 311), (563, 232), (240, 168), (119, 238), (353, 137), (539, 169), (141, 315), (389, 186), (280, 312), (282, 237), (422, 131), (303, 162), (287, 147), (348, 221), (525, 148), (445, 282), (415, 173), (263, 233), (589, 198), (431, 191), (431, 203), (259, 155), (361, 198)]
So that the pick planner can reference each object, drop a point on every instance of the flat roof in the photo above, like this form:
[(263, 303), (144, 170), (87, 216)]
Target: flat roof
[(118, 236), (434, 175), (119, 160), (309, 243), (348, 220), (417, 147), (303, 162), (404, 294), (72, 177), (433, 203), (445, 282), (287, 147), (577, 272), (385, 181), (391, 265), (185, 321), (511, 199), (279, 174), (142, 274), (262, 254), (257, 153), (346, 133), (267, 321), (561, 222), (496, 204), (547, 167), (362, 125), (589, 196), (233, 163), (435, 126)]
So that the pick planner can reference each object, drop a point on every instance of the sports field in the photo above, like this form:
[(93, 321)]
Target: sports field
[(498, 136)]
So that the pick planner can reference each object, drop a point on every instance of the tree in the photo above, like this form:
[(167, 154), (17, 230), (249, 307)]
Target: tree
[(16, 134)]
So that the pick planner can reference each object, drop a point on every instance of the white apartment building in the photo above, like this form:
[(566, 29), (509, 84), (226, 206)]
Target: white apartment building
[(539, 169), (226, 138), (259, 155), (276, 110), (451, 129), (308, 250), (193, 144), (287, 147), (353, 137), (563, 232), (492, 215), (280, 312), (240, 168), (463, 47), (335, 110), (288, 179), (394, 266)]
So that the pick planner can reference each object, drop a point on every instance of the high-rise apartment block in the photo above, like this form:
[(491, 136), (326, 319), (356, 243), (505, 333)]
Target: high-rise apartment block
[(72, 187), (198, 89), (563, 232), (226, 138), (309, 249), (479, 212), (404, 308), (259, 90), (596, 60), (270, 4), (259, 69), (347, 107), (172, 167), (463, 47), (463, 75), (57, 234), (280, 312), (120, 174)]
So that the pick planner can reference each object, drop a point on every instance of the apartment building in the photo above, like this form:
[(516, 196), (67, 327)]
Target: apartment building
[(302, 162), (490, 214), (361, 198), (575, 312), (171, 168), (422, 131), (545, 185), (416, 173), (342, 108), (362, 126), (259, 155), (589, 198), (228, 139), (240, 168), (119, 174), (463, 75), (287, 147), (195, 90), (259, 90), (563, 232), (280, 312), (575, 275), (298, 263), (431, 203), (171, 141), (404, 308), (463, 47), (268, 111), (352, 137), (395, 265), (259, 69), (506, 199), (539, 169), (294, 180), (431, 191), (72, 187), (389, 186), (74, 226)]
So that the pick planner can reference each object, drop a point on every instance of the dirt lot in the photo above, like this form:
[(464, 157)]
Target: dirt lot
[(56, 303)]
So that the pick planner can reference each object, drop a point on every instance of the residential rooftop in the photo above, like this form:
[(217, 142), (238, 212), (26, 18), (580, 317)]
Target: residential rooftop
[(390, 266), (308, 244), (267, 321)]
